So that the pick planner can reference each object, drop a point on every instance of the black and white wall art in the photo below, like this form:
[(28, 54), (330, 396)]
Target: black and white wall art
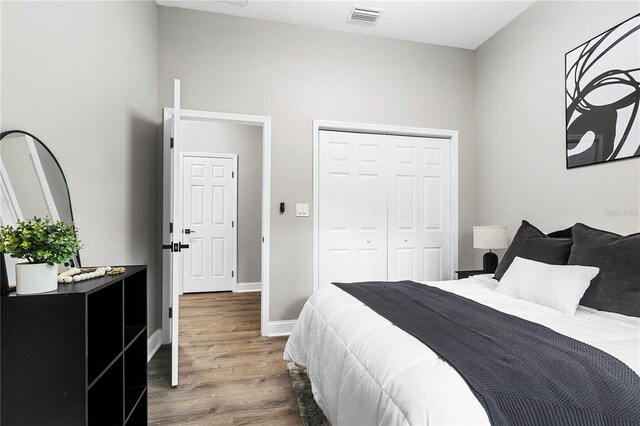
[(602, 94)]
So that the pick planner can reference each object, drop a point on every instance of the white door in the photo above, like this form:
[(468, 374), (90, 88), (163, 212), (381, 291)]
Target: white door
[(209, 191), (352, 207), (172, 225), (419, 202)]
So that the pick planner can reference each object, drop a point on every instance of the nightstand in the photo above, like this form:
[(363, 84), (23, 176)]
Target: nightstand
[(467, 274)]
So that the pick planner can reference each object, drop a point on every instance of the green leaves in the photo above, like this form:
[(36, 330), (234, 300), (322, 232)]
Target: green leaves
[(40, 240)]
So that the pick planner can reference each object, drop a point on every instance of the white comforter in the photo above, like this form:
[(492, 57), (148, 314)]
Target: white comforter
[(365, 371)]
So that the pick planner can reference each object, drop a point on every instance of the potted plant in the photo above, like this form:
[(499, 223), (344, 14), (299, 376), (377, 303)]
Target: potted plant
[(44, 244)]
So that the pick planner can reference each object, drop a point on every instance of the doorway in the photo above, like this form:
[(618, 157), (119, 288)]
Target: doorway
[(177, 122)]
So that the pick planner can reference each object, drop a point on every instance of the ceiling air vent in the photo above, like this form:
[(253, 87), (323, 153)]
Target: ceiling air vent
[(369, 16)]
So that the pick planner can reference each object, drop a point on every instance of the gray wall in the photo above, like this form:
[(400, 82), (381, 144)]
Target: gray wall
[(520, 136), (86, 78), (82, 76), (246, 142), (296, 75)]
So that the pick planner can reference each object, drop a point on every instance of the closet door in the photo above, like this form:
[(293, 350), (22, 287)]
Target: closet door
[(419, 203), (352, 207)]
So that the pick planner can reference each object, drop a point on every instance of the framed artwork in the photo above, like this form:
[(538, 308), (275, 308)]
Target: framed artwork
[(602, 97)]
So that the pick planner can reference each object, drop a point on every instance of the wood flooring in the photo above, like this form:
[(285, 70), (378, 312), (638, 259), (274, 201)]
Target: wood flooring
[(229, 374)]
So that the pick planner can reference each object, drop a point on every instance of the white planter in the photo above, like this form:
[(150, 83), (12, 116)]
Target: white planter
[(36, 278)]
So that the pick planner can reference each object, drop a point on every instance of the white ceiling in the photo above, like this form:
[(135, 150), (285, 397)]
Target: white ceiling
[(465, 24)]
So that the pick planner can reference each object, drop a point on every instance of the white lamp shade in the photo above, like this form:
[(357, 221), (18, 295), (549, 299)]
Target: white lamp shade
[(490, 237)]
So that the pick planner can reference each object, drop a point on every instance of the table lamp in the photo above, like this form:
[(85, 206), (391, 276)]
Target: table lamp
[(492, 238)]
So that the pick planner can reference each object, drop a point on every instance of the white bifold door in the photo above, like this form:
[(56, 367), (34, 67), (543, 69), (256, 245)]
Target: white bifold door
[(384, 208), (209, 223), (352, 207), (419, 203)]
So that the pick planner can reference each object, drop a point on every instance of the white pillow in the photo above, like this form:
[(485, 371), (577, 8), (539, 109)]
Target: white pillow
[(559, 287)]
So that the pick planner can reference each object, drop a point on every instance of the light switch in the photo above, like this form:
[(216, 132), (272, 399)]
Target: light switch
[(302, 210)]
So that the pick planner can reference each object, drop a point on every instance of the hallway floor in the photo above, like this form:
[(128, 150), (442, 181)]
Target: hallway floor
[(229, 374)]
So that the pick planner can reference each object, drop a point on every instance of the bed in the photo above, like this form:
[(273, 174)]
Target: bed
[(365, 370)]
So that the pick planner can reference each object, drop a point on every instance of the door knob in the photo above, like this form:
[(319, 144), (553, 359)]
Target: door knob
[(368, 241), (189, 231)]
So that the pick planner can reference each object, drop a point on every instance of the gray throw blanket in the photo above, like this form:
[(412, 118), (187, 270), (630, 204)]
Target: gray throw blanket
[(521, 372)]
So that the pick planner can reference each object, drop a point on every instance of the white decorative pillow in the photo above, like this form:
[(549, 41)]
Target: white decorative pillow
[(559, 287)]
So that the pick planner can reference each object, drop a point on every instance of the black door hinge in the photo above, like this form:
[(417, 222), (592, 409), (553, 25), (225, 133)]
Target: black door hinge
[(171, 227), (171, 144), (231, 274), (232, 224), (170, 312), (233, 174)]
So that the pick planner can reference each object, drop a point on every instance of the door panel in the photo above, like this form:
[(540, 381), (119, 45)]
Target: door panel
[(339, 200), (405, 265), (218, 256), (432, 199), (367, 201), (218, 205), (432, 264), (197, 204), (210, 211), (431, 157), (197, 257), (405, 205), (367, 267)]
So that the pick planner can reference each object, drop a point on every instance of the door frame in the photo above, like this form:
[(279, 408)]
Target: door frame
[(252, 120), (234, 158), (451, 135)]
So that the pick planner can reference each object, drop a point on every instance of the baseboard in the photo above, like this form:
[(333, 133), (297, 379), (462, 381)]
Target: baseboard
[(281, 328), (153, 344), (244, 287)]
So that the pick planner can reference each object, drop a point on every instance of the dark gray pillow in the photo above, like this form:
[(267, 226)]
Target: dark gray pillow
[(617, 286), (563, 233), (531, 243)]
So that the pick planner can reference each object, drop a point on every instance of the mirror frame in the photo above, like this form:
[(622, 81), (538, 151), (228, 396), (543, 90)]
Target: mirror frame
[(3, 272)]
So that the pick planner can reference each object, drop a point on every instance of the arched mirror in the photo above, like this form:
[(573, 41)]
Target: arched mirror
[(32, 183)]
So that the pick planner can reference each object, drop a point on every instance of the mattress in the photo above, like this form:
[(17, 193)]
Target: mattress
[(364, 370)]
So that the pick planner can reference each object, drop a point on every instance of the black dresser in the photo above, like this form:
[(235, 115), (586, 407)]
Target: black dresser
[(77, 355)]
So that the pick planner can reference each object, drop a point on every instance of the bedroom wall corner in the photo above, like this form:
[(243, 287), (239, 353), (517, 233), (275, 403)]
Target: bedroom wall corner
[(520, 133), (82, 76)]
